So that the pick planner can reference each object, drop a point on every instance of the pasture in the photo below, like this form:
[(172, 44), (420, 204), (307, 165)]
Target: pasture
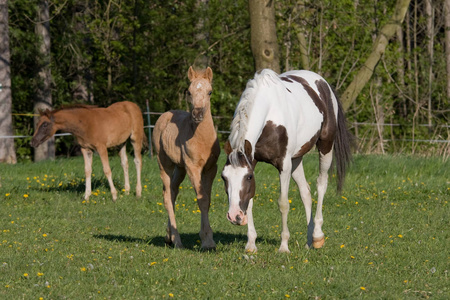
[(387, 235)]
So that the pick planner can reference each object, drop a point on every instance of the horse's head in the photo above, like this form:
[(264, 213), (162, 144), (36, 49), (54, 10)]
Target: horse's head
[(44, 129), (199, 92), (239, 182)]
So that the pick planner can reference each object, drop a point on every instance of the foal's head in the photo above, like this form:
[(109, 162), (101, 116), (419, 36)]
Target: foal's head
[(239, 182), (44, 128), (199, 92)]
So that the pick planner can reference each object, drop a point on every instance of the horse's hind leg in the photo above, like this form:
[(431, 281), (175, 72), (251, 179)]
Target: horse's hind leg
[(87, 155), (124, 163), (103, 152), (322, 183), (305, 192), (137, 146)]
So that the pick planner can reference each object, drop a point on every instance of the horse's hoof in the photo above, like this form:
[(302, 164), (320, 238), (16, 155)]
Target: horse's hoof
[(318, 242)]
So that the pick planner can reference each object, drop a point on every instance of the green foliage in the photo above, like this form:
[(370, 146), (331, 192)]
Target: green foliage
[(138, 51), (386, 236)]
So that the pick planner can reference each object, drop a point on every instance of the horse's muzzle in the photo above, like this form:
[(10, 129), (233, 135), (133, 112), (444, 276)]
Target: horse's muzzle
[(239, 219), (197, 114)]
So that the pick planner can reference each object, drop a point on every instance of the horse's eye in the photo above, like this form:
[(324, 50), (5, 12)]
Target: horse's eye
[(210, 92), (249, 177), (188, 93)]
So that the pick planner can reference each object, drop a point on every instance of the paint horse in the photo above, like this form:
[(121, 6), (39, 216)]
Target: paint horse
[(186, 142), (279, 119), (97, 129)]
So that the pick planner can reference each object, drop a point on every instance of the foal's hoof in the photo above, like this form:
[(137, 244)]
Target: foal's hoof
[(318, 242)]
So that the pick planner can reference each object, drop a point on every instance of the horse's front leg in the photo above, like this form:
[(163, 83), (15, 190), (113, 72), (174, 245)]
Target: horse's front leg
[(251, 231), (322, 183), (103, 152), (283, 204), (305, 192), (202, 183), (124, 164), (87, 155)]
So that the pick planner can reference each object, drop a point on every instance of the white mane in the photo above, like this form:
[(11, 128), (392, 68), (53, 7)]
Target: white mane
[(239, 125)]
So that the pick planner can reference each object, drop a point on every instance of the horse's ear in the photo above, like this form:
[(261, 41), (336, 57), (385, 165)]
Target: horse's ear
[(191, 73), (209, 74), (227, 147), (248, 149)]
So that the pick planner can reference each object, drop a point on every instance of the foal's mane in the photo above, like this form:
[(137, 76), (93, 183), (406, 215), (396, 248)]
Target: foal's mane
[(239, 125)]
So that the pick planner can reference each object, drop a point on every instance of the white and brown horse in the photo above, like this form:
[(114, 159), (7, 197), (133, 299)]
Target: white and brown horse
[(97, 129), (186, 142), (279, 119)]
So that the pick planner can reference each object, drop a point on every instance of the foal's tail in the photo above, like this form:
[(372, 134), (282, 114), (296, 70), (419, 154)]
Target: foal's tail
[(343, 143)]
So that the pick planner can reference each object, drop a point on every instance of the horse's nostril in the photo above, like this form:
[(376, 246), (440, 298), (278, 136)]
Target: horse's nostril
[(238, 219)]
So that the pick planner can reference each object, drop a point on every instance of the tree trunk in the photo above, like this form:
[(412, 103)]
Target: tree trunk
[(7, 152), (201, 35), (429, 11), (447, 42), (365, 72), (43, 98), (264, 35)]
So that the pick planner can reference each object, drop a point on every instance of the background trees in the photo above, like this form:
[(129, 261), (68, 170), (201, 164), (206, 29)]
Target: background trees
[(108, 51)]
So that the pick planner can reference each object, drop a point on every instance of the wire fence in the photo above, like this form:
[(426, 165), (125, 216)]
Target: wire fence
[(355, 125)]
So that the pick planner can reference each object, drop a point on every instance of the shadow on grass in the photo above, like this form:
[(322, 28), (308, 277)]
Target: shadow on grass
[(190, 240)]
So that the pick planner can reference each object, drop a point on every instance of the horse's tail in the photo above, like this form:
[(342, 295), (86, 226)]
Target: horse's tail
[(343, 143), (145, 143)]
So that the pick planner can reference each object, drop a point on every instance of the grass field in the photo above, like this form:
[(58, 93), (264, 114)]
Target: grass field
[(387, 236)]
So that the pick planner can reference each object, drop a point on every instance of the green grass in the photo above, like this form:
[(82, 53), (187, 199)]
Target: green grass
[(387, 236)]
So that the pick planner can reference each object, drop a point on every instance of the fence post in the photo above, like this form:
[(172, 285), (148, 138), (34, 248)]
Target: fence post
[(149, 130)]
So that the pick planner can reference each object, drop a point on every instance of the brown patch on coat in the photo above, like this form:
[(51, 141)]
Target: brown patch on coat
[(272, 145), (324, 104)]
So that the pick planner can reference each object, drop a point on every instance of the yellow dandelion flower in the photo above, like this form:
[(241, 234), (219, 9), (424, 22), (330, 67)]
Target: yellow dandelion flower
[(25, 196), (7, 194), (170, 295), (287, 296), (342, 246), (44, 235), (25, 274), (83, 269), (40, 274), (400, 236), (363, 288), (152, 263)]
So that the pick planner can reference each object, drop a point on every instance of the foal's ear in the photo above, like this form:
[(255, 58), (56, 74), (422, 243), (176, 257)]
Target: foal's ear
[(209, 74), (191, 73), (227, 147), (248, 149)]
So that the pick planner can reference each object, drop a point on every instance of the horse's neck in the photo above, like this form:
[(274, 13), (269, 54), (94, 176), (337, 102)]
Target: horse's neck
[(206, 127), (69, 121)]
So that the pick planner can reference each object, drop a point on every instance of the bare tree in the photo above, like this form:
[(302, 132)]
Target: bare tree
[(365, 72), (264, 35), (429, 11), (447, 42), (43, 98), (7, 152)]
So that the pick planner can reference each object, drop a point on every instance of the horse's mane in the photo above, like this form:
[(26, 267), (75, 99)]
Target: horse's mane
[(239, 125), (48, 112)]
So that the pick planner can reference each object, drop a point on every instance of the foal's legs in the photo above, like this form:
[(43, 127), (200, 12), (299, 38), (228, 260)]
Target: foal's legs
[(203, 201), (103, 152), (283, 204), (137, 146), (305, 192), (322, 183), (172, 232), (171, 177), (124, 163), (206, 234), (87, 155)]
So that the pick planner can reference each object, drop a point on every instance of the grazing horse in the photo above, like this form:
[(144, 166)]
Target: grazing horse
[(279, 119), (97, 129), (186, 142)]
